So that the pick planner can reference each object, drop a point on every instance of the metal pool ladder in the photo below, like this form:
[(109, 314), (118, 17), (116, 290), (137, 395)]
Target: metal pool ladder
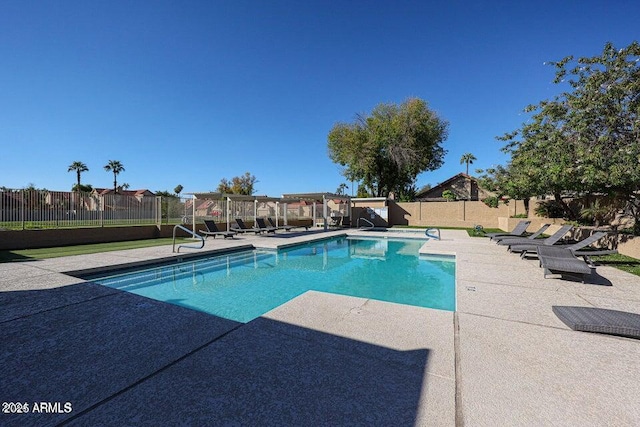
[(194, 234), (371, 225), (426, 233)]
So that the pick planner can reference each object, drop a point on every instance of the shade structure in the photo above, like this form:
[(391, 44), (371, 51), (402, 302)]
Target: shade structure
[(225, 202)]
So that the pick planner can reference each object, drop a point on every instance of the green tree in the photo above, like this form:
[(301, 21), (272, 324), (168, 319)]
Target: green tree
[(78, 167), (587, 139), (165, 193), (424, 188), (407, 193), (243, 184), (449, 195), (341, 189), (116, 167), (362, 192), (83, 188), (386, 150), (467, 158), (224, 186)]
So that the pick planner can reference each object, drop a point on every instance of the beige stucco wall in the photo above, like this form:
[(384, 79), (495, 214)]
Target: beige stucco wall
[(629, 246), (452, 214), (507, 223), (359, 210), (30, 239)]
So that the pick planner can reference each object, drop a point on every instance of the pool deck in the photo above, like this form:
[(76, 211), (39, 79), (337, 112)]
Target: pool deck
[(503, 358)]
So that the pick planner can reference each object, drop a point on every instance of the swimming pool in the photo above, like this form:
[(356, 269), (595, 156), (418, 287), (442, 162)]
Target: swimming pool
[(244, 285)]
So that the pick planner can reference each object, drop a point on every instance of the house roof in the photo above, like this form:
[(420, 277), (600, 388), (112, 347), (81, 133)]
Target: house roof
[(445, 183), (318, 197), (140, 192)]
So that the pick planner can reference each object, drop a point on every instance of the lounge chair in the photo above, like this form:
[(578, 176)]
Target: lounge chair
[(554, 256), (272, 223), (500, 239), (242, 228), (559, 260), (262, 226), (285, 227), (518, 230), (599, 320), (576, 248), (530, 246), (212, 230)]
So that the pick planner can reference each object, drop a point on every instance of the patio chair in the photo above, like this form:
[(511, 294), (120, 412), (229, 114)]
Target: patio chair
[(262, 226), (346, 222), (577, 247), (599, 320), (279, 227), (518, 230), (212, 230), (285, 227), (242, 228), (501, 239), (559, 260), (530, 246)]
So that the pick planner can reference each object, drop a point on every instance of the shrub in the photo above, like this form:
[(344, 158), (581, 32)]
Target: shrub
[(449, 195), (597, 213), (522, 215), (549, 209), (492, 201)]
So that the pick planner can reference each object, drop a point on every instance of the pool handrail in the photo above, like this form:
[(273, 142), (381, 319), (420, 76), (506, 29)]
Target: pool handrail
[(365, 220), (194, 234), (426, 233)]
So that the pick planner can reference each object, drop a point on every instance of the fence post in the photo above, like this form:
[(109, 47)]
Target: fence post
[(101, 209), (158, 208), (22, 208)]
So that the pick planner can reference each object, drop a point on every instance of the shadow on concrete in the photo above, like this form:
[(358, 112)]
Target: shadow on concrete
[(121, 359), (592, 279), (595, 279), (290, 234), (9, 256)]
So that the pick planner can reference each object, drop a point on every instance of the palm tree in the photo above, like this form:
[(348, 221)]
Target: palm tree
[(79, 167), (116, 167), (467, 158)]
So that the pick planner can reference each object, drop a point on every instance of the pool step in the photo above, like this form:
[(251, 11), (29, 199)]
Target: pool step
[(157, 275)]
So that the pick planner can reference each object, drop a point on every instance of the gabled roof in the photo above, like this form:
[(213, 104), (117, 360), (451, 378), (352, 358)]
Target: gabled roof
[(317, 197), (446, 183), (140, 192)]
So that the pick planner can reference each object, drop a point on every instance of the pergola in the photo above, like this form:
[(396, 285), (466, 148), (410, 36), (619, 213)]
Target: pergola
[(320, 197), (315, 198)]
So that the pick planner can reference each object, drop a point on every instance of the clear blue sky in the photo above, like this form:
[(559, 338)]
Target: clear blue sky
[(189, 92)]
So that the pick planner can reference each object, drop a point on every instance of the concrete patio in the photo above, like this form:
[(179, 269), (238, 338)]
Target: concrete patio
[(503, 358)]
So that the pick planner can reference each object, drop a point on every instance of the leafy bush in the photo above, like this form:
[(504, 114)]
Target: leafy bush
[(491, 201), (449, 195), (522, 215), (549, 209)]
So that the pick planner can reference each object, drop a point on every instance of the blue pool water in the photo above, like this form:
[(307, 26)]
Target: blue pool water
[(244, 285)]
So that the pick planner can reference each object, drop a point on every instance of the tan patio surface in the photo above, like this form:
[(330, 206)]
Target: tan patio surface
[(502, 359)]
